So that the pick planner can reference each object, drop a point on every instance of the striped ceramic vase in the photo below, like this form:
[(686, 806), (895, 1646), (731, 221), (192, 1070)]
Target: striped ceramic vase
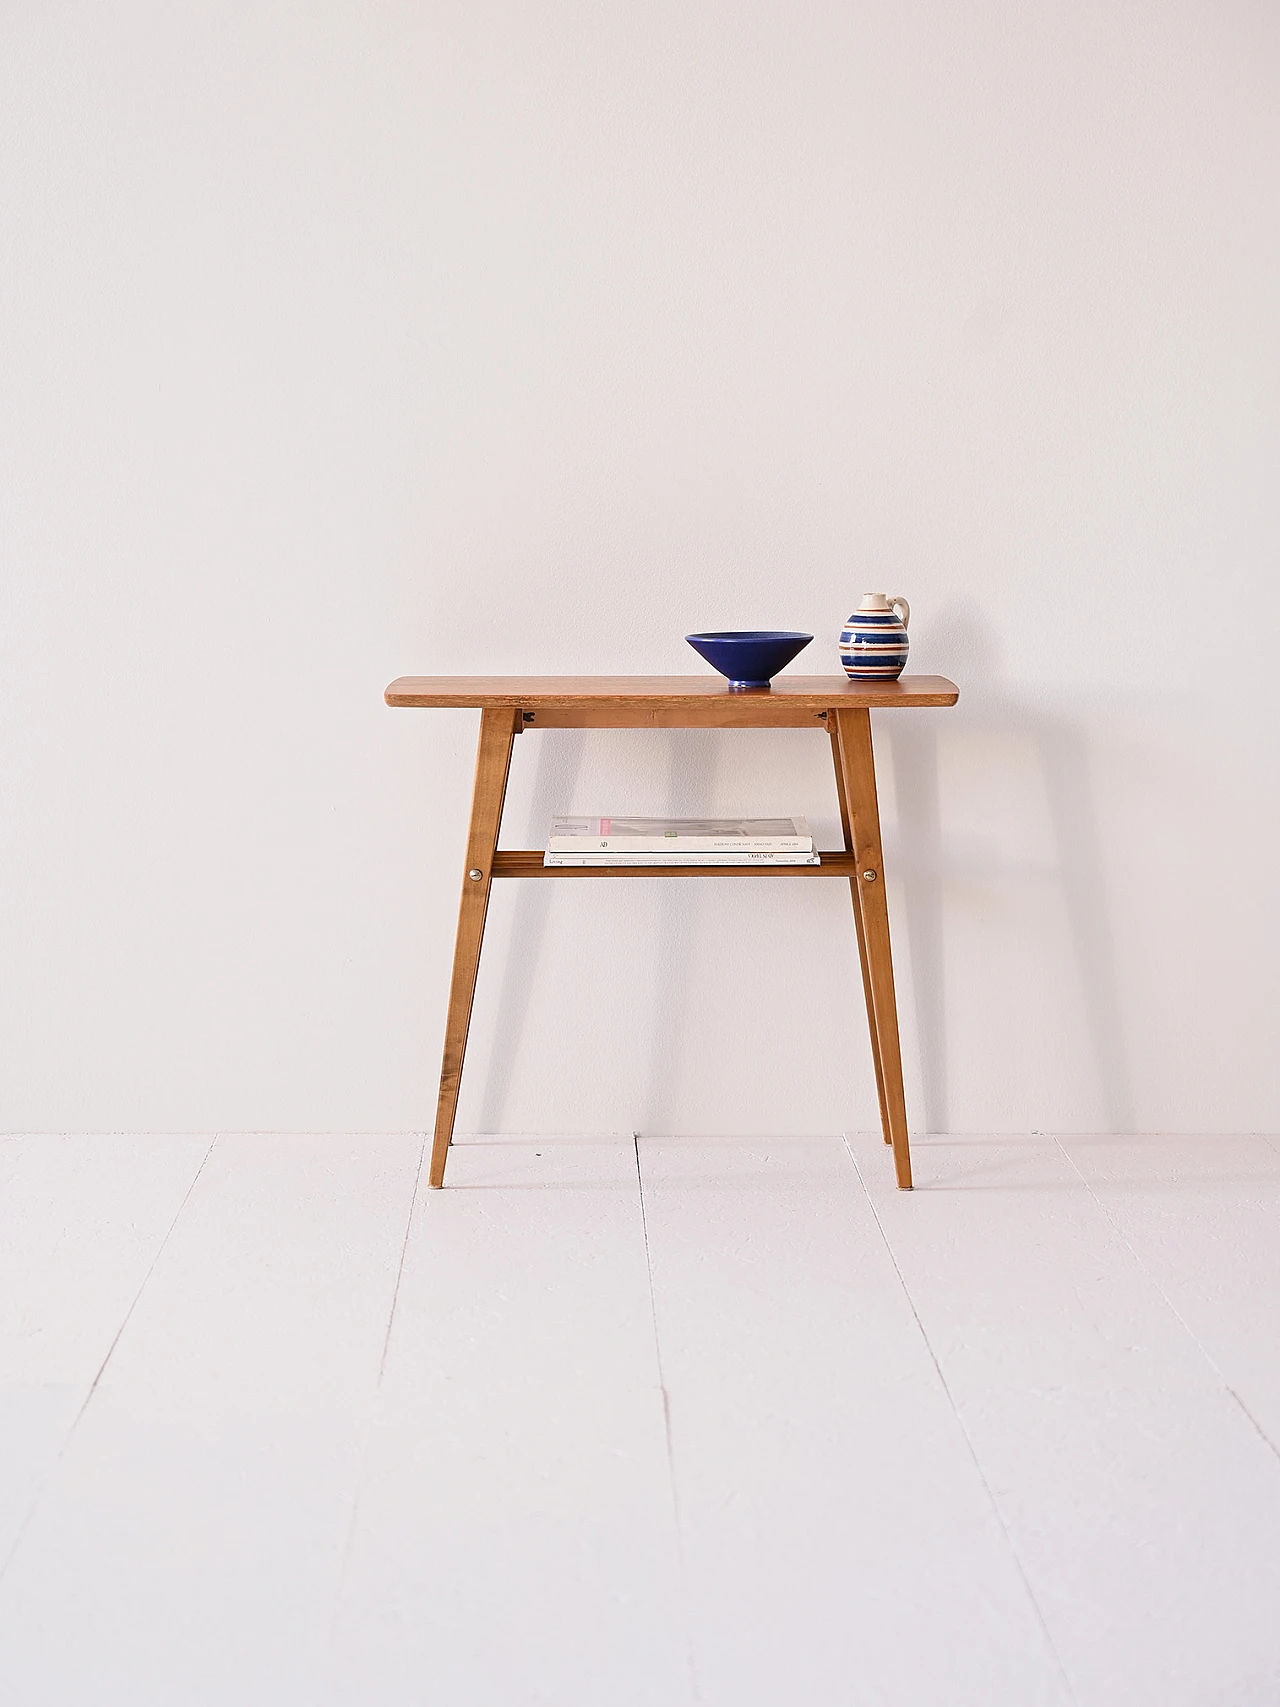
[(873, 643)]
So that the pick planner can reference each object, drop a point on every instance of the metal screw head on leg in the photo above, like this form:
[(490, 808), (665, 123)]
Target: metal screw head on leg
[(475, 874), (869, 876)]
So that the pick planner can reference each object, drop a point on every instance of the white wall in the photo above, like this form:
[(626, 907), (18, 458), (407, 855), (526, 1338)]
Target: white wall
[(342, 341)]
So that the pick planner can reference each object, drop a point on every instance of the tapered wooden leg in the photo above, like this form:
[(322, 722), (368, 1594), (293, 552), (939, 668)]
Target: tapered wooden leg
[(858, 769), (862, 936), (493, 761)]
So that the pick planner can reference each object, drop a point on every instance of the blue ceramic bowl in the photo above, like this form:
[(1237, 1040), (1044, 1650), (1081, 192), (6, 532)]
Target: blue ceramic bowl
[(749, 657)]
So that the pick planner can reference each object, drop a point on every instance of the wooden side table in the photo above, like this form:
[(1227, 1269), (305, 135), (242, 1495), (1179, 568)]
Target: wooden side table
[(510, 704)]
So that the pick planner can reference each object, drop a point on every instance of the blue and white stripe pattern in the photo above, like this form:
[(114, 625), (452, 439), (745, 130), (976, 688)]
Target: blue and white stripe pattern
[(873, 644)]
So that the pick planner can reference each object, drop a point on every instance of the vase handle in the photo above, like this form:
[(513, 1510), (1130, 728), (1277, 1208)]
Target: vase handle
[(903, 609)]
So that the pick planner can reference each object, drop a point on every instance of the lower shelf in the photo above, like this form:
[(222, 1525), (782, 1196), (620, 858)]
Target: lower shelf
[(527, 862)]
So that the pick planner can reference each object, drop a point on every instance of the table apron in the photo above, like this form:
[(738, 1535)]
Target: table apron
[(754, 712)]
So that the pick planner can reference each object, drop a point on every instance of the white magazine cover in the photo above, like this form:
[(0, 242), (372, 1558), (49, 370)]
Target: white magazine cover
[(679, 835), (722, 857)]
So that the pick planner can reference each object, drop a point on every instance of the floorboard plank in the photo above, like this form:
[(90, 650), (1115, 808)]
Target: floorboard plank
[(840, 1546), (515, 1540), (187, 1547), (82, 1219), (1142, 1503), (1201, 1215)]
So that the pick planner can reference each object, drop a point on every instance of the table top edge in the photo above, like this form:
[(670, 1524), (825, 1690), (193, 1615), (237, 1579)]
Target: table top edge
[(566, 692)]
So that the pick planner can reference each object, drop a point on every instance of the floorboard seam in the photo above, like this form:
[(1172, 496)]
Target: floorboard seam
[(1169, 1303), (93, 1385), (666, 1424), (404, 1251), (1261, 1432), (350, 1541), (965, 1435)]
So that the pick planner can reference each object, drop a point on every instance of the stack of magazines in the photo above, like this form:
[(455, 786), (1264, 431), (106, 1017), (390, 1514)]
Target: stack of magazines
[(680, 841)]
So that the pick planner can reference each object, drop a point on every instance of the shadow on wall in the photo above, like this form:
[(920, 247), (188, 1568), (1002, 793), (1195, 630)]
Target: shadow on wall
[(692, 762), (559, 761), (1060, 750), (966, 648), (692, 756)]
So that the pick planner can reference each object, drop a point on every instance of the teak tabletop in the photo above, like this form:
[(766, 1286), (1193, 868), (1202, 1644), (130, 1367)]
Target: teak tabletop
[(689, 702), (508, 705)]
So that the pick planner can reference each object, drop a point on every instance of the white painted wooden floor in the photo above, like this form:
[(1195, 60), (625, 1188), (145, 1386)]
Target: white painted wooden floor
[(608, 1422)]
